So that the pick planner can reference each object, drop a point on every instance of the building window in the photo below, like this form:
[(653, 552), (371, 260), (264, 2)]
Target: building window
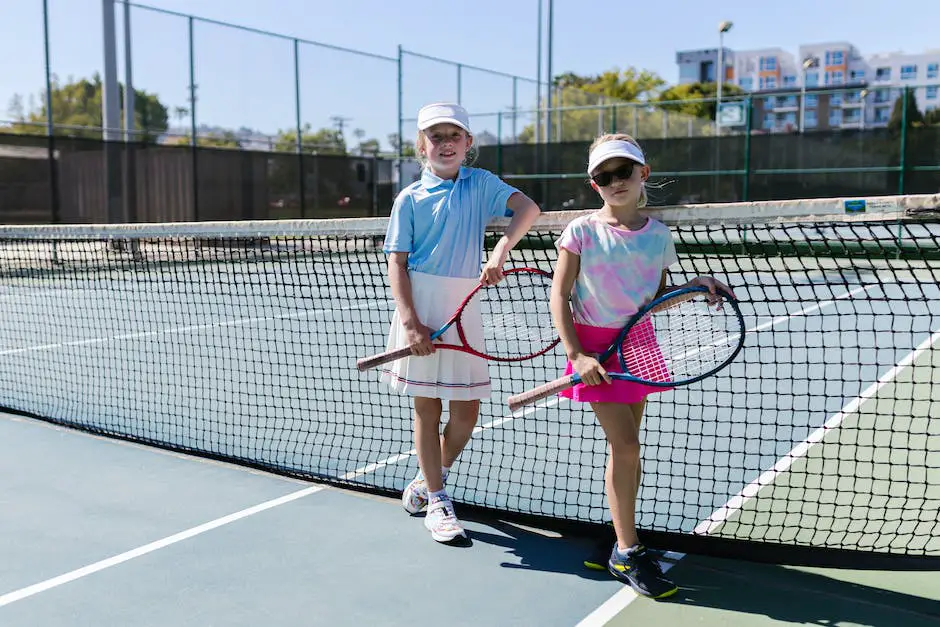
[(835, 100), (812, 101), (908, 72), (790, 118), (932, 92), (809, 118), (857, 75), (789, 80), (812, 79), (835, 78), (835, 117), (882, 95), (706, 73), (768, 64), (883, 74), (746, 83), (768, 121), (882, 115), (835, 57), (933, 70), (852, 116)]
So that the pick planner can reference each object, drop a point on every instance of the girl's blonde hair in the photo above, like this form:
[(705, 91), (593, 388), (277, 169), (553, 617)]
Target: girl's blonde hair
[(609, 137), (422, 157)]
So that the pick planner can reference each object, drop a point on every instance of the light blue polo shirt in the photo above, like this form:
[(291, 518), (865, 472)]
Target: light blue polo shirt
[(441, 223)]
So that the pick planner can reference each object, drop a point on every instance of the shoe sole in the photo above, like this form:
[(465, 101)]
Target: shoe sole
[(621, 577)]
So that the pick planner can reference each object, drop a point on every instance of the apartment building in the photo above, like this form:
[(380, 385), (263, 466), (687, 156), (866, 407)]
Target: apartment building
[(843, 88)]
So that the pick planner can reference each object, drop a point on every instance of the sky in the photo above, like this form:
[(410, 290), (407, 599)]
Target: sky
[(247, 80)]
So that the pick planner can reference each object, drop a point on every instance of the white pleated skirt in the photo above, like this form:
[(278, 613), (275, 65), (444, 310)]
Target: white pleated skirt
[(446, 374)]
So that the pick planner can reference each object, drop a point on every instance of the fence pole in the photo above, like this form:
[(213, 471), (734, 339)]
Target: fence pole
[(499, 143), (192, 118), (459, 83), (746, 191), (401, 114), (50, 126), (903, 160), (515, 106), (301, 184)]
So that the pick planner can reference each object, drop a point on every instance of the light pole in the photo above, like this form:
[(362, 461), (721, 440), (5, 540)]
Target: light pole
[(808, 62), (723, 28)]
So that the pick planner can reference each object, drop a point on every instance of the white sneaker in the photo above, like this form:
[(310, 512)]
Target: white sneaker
[(442, 523), (415, 497)]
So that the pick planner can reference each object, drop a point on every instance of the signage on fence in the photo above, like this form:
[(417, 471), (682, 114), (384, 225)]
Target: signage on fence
[(732, 114)]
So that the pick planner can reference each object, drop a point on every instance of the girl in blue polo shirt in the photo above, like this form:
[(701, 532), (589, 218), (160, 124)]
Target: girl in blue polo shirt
[(435, 247)]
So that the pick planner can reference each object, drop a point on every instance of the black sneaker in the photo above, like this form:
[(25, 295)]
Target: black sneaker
[(640, 569)]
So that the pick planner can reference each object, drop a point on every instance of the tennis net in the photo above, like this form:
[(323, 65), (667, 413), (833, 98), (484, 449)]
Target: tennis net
[(238, 341)]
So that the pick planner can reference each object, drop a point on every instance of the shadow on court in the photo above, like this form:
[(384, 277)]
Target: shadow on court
[(794, 596), (535, 550)]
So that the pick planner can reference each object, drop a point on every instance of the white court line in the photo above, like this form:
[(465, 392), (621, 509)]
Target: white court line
[(719, 516), (619, 601), (173, 330), (29, 591), (22, 593)]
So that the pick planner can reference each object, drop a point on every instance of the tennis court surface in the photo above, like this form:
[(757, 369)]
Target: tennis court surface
[(236, 343)]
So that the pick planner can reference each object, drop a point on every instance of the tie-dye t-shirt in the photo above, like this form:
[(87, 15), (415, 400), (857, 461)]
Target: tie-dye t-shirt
[(620, 269)]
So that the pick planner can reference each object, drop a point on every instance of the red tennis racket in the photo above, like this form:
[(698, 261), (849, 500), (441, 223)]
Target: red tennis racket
[(517, 322)]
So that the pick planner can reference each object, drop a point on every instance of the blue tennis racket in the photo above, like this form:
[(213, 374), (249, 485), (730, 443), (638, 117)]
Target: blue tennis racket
[(677, 339)]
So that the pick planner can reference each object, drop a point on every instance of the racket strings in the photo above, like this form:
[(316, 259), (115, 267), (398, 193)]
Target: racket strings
[(681, 341), (516, 315)]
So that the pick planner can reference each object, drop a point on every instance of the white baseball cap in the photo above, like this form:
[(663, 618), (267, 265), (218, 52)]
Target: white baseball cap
[(443, 113), (612, 149)]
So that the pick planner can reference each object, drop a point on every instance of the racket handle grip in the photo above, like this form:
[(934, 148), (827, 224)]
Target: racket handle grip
[(543, 391), (383, 358)]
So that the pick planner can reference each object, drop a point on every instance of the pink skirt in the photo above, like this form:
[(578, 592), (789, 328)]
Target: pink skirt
[(596, 340)]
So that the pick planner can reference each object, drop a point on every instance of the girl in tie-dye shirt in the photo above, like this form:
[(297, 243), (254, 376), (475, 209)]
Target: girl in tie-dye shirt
[(610, 263)]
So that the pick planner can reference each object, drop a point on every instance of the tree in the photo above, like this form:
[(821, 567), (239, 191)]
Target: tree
[(15, 109), (608, 88), (697, 99), (408, 148), (325, 141), (932, 117), (369, 147), (76, 110), (914, 116), (226, 139)]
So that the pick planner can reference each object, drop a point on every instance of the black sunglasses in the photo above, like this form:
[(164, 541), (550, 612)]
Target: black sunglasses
[(624, 172)]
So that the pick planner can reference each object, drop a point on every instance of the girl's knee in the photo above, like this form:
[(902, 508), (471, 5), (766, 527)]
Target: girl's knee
[(427, 408), (625, 451)]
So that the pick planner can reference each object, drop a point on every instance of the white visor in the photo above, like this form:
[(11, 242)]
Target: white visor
[(443, 113), (612, 150)]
